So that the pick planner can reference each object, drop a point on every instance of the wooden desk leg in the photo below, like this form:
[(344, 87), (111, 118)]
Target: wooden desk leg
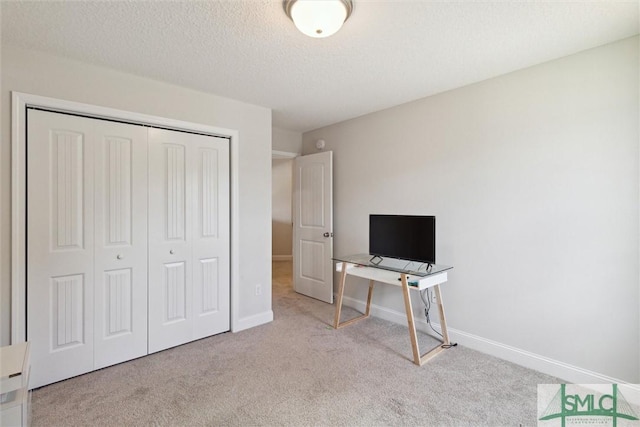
[(410, 321), (443, 319), (443, 326), (417, 358), (343, 277), (369, 296), (336, 320)]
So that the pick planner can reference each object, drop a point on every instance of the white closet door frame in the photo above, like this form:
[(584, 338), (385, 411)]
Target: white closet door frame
[(19, 103)]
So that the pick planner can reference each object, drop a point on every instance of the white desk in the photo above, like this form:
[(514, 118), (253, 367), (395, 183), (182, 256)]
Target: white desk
[(360, 266), (14, 385)]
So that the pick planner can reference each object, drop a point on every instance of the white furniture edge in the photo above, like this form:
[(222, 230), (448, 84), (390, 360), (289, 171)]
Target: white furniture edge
[(527, 359), (19, 102), (391, 277), (15, 371), (15, 365)]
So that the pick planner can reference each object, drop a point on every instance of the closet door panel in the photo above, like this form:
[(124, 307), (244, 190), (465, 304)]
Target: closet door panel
[(211, 236), (120, 242), (188, 237), (60, 246), (170, 266)]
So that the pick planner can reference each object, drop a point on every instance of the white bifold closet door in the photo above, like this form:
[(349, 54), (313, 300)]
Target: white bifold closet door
[(188, 237), (86, 244), (120, 196), (127, 241)]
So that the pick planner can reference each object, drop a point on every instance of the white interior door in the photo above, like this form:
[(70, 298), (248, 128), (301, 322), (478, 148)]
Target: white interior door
[(188, 237), (120, 242), (313, 226), (87, 244), (60, 249), (211, 236)]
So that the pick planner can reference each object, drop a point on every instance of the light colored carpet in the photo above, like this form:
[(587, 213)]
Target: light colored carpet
[(298, 370)]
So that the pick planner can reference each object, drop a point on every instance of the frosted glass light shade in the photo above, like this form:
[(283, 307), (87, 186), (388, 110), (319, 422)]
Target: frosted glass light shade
[(318, 18)]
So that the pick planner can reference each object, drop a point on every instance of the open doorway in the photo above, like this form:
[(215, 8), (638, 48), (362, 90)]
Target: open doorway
[(281, 215), (302, 244), (281, 219)]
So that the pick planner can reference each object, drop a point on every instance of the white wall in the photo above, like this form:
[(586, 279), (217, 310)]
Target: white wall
[(46, 75), (281, 221), (534, 179), (286, 140)]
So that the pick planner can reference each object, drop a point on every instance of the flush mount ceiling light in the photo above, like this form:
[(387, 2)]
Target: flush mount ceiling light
[(318, 18)]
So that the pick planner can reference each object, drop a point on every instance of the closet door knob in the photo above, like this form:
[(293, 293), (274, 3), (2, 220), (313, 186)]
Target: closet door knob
[(119, 256), (171, 251)]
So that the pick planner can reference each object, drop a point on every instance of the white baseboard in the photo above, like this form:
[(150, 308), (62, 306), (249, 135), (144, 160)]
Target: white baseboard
[(253, 321), (276, 258), (546, 365)]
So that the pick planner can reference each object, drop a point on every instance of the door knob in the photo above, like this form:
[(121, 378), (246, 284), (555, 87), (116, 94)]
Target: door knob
[(326, 234), (119, 256), (171, 251)]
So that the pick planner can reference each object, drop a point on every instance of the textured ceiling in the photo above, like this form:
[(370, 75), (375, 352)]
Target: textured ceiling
[(388, 52)]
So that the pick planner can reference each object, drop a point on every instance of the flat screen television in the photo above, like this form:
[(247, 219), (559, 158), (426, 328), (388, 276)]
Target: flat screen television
[(409, 237)]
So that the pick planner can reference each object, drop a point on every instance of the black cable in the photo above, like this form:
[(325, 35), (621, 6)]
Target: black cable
[(427, 307)]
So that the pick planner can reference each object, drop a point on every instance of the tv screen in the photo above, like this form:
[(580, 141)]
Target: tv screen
[(409, 237)]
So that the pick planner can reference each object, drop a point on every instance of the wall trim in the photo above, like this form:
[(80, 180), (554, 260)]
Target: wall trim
[(275, 154), (546, 365), (253, 321), (277, 258), (19, 103)]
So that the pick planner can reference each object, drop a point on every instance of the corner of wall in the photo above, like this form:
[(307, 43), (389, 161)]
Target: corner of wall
[(253, 321), (286, 140)]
